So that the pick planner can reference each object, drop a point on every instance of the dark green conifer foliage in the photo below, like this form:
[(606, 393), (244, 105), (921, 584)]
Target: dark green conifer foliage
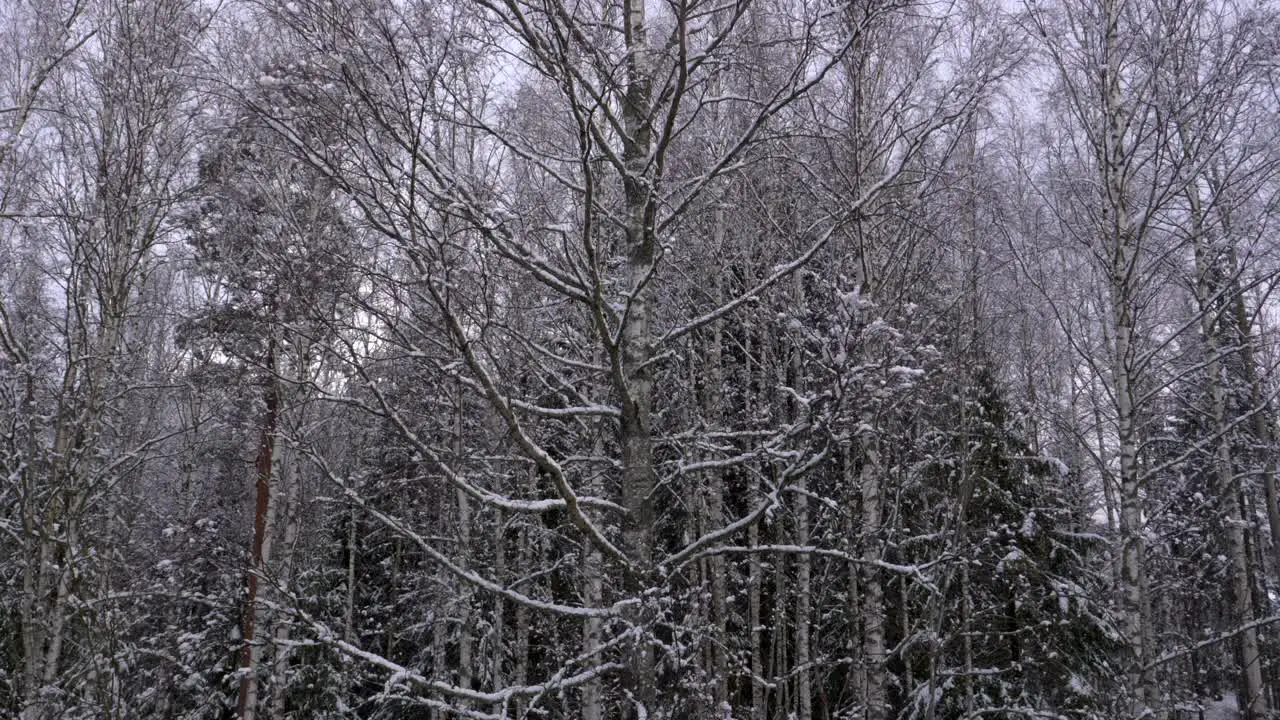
[(1022, 631)]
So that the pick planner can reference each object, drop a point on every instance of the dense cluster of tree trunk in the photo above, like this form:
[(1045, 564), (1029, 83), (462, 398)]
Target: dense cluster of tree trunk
[(705, 359)]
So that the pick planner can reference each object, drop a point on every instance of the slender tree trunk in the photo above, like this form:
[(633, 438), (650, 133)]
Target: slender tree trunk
[(248, 702), (778, 641), (1122, 242), (804, 566), (755, 573), (440, 653), (857, 669), (804, 680), (592, 630), (779, 638), (1133, 541), (34, 567), (520, 675), (290, 476), (719, 603), (349, 609), (635, 383), (498, 648), (966, 608), (52, 520), (58, 612), (697, 498), (715, 411), (804, 685), (1254, 699), (1263, 433), (464, 541), (874, 655)]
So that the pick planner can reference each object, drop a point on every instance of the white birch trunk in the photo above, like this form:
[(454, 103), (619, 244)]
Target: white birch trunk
[(1254, 703), (635, 380), (1122, 243), (804, 682), (875, 679)]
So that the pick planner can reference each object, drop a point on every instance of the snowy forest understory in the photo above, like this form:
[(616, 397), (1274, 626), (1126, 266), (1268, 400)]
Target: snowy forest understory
[(639, 359)]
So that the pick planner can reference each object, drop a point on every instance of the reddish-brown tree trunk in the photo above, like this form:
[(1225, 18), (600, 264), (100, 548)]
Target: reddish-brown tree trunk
[(247, 704)]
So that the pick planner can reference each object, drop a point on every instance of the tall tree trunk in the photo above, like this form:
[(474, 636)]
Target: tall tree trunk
[(1122, 243), (755, 572), (51, 662), (464, 541), (715, 412), (290, 474), (875, 679), (440, 652), (349, 602), (498, 648), (247, 705), (1110, 496), (804, 566), (1133, 540), (1209, 281), (854, 635), (804, 681), (1264, 435), (593, 596), (520, 672), (635, 379), (778, 640)]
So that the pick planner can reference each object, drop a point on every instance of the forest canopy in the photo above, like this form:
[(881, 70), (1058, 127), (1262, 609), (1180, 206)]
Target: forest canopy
[(639, 359)]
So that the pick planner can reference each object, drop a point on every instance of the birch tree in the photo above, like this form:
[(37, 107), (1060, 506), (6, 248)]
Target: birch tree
[(1127, 94), (108, 177), (628, 80)]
